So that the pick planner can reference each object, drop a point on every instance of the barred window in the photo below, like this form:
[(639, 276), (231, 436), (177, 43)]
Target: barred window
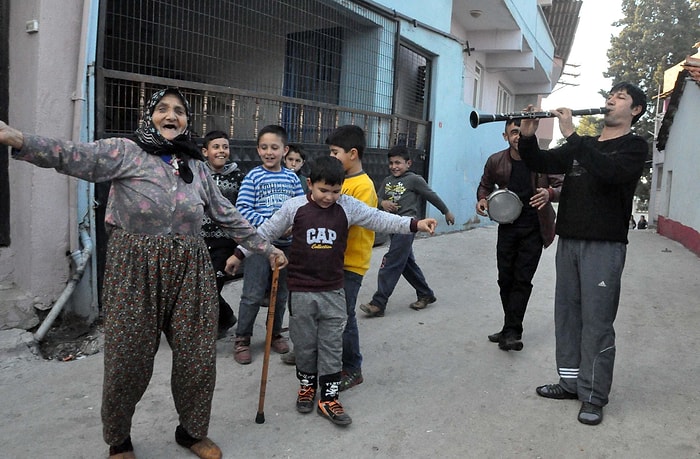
[(326, 51)]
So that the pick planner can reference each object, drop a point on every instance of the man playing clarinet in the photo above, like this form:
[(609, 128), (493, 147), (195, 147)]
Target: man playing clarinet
[(592, 223)]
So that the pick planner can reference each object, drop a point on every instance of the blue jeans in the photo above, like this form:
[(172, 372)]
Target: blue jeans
[(256, 282), (352, 359), (398, 261)]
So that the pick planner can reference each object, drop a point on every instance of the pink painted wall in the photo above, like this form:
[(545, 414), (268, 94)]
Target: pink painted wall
[(43, 68)]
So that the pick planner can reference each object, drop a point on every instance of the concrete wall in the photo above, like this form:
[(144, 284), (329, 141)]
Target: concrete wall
[(43, 73), (41, 80), (677, 203)]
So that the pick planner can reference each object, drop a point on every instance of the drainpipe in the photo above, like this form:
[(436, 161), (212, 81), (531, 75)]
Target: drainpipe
[(81, 258)]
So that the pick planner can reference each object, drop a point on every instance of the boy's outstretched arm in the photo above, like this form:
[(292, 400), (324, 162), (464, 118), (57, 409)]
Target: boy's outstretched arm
[(427, 225)]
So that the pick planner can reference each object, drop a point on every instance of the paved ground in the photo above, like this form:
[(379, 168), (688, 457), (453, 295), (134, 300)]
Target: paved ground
[(434, 386)]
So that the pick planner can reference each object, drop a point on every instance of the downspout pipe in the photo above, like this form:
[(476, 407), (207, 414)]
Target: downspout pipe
[(81, 258)]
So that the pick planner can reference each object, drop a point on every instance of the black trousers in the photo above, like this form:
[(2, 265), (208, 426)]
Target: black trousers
[(219, 252), (518, 252)]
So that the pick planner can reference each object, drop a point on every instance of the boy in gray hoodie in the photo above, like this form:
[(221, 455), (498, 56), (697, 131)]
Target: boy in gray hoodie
[(401, 193)]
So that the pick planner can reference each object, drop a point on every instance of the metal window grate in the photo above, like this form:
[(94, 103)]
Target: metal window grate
[(303, 48), (308, 65)]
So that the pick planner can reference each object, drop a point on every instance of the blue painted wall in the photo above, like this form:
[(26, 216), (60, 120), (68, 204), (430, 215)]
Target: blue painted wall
[(457, 152)]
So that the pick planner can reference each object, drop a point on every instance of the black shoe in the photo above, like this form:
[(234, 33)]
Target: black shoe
[(496, 337), (555, 391), (590, 414), (510, 343)]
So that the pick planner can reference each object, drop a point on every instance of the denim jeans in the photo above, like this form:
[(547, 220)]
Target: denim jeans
[(398, 261), (256, 282), (352, 359)]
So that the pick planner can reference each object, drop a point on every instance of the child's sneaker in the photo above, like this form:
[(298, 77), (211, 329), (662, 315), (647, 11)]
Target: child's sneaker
[(305, 399), (279, 344), (241, 350), (333, 410), (350, 379), (372, 310), (422, 302)]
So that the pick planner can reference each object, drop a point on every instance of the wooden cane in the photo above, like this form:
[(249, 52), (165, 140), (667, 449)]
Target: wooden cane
[(260, 417)]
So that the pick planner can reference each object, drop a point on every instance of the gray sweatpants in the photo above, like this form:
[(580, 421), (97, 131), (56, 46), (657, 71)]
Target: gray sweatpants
[(316, 324), (586, 301)]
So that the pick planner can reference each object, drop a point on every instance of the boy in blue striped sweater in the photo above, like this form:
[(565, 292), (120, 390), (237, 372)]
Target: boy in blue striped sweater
[(262, 193)]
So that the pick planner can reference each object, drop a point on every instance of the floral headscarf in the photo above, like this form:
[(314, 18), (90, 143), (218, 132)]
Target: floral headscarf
[(152, 141)]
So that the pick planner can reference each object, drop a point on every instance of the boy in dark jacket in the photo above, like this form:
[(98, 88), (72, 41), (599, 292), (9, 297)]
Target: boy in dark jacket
[(228, 178)]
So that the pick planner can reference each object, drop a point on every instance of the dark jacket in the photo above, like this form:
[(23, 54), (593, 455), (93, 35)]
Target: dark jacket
[(497, 172)]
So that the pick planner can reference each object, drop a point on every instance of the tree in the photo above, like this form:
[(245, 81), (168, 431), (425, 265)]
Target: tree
[(590, 125), (655, 35)]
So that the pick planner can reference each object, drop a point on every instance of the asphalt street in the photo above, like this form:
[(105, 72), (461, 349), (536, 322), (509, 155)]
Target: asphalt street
[(434, 385)]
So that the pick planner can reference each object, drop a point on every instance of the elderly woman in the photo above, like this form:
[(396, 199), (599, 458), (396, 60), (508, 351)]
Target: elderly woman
[(158, 275)]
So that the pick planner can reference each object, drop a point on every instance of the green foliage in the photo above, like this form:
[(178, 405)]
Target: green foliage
[(590, 125), (655, 35)]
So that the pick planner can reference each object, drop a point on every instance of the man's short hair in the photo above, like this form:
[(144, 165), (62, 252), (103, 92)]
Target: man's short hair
[(639, 97), (515, 121)]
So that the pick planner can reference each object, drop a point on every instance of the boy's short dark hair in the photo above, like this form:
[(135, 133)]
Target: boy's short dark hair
[(639, 97), (328, 169), (348, 137), (399, 150), (213, 135), (296, 148), (273, 129)]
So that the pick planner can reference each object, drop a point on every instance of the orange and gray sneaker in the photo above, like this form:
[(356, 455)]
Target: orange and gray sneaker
[(333, 410), (305, 399)]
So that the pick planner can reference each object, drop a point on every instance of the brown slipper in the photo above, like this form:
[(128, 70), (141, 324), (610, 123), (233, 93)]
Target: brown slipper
[(206, 449)]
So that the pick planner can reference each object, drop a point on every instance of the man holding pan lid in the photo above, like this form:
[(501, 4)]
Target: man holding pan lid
[(521, 240)]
